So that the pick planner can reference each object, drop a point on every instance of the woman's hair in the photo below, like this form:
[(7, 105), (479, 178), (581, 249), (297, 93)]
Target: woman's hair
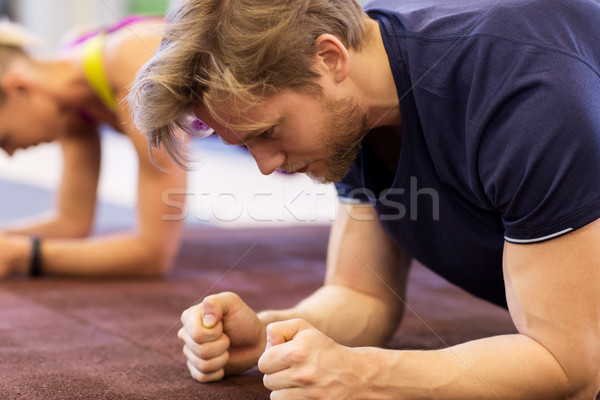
[(13, 41), (233, 53)]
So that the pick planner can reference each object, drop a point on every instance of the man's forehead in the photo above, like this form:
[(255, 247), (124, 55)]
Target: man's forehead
[(233, 128), (228, 113), (247, 118), (240, 112)]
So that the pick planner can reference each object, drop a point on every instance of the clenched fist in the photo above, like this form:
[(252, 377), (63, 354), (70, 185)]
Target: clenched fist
[(300, 362), (222, 336)]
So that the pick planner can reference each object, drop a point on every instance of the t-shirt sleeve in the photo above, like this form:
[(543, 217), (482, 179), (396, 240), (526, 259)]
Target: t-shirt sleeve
[(539, 159)]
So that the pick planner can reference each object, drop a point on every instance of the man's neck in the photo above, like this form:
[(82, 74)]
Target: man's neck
[(374, 80)]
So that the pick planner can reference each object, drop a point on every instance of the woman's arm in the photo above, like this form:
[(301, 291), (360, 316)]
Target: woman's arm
[(73, 214), (149, 249)]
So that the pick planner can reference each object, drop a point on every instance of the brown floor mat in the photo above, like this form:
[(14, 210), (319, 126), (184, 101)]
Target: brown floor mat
[(116, 339)]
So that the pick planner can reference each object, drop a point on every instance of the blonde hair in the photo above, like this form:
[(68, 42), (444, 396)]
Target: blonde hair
[(13, 43), (218, 52)]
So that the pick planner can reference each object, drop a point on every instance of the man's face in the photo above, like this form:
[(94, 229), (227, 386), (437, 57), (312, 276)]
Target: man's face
[(308, 133)]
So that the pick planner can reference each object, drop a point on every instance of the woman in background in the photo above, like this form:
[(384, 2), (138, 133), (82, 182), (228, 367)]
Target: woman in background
[(66, 98)]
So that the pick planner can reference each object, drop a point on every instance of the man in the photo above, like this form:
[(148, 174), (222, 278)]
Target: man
[(463, 134)]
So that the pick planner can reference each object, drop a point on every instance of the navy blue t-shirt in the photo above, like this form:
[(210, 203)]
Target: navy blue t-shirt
[(500, 105)]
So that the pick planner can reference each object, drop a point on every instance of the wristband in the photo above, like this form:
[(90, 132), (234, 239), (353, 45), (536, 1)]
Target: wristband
[(35, 260)]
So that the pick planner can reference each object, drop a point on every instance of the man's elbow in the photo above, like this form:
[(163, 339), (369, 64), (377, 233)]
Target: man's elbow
[(584, 388), (587, 385), (385, 323), (583, 374)]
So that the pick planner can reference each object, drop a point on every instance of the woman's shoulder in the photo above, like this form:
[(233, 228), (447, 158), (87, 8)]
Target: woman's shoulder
[(128, 49), (137, 39), (78, 35)]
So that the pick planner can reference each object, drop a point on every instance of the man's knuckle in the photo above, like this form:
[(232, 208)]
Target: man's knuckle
[(205, 352), (198, 336), (297, 355), (307, 376), (203, 378), (267, 381), (204, 366)]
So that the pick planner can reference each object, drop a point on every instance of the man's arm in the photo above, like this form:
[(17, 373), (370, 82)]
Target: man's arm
[(362, 299), (552, 291), (360, 303)]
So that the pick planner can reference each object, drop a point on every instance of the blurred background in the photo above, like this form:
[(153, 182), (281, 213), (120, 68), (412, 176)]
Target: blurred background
[(50, 18), (226, 189)]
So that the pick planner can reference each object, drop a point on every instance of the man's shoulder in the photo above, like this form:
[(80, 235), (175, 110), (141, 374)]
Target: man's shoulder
[(526, 13)]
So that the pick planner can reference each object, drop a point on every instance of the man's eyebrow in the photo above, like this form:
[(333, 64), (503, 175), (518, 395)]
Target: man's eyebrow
[(258, 131), (253, 134), (241, 141)]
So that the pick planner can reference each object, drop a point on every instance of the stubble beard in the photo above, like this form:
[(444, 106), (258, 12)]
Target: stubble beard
[(345, 128)]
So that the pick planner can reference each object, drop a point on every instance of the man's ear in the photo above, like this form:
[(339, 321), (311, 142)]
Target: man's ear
[(15, 83), (332, 57)]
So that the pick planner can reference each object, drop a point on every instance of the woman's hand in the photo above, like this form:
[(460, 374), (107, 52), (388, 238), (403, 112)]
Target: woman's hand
[(14, 254)]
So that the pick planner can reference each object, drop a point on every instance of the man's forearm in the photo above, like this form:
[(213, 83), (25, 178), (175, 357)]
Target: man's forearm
[(347, 316), (509, 367)]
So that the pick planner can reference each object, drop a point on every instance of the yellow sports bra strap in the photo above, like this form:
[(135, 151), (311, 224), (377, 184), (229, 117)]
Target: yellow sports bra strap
[(94, 70)]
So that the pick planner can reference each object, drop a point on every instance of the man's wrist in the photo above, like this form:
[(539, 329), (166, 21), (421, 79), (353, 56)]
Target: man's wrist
[(377, 369), (267, 317), (253, 354)]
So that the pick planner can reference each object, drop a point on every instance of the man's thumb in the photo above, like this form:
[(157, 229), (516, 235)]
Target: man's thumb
[(284, 331), (211, 313), (215, 307)]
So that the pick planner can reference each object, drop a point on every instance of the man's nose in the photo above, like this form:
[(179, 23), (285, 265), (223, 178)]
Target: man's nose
[(267, 158), (9, 151)]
